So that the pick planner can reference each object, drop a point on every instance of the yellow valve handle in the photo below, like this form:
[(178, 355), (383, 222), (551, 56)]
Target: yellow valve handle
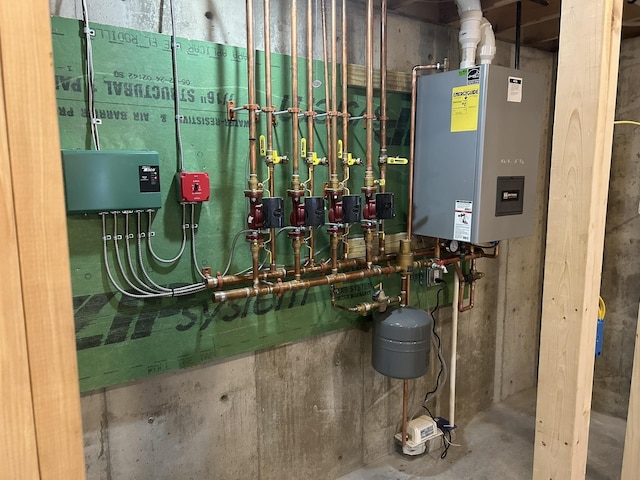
[(340, 149), (397, 160), (350, 160), (303, 148), (314, 159), (263, 146), (382, 182)]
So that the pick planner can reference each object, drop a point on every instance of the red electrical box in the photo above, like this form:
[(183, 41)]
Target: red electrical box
[(193, 187)]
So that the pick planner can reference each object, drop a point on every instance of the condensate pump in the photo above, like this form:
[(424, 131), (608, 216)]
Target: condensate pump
[(421, 432)]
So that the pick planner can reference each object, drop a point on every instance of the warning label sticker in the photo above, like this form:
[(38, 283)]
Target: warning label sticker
[(463, 216), (464, 108), (514, 91)]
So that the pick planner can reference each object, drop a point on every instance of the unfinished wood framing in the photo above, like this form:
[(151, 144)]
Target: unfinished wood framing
[(580, 166), (631, 459), (17, 442), (37, 336)]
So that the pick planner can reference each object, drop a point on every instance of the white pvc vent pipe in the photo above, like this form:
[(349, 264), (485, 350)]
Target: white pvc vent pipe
[(474, 30), (487, 46), (470, 17)]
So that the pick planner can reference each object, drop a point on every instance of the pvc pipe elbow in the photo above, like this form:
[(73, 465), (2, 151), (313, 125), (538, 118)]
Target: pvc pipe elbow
[(487, 46)]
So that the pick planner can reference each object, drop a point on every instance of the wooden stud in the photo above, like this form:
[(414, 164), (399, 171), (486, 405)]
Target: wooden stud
[(36, 175), (18, 453), (631, 459), (580, 166)]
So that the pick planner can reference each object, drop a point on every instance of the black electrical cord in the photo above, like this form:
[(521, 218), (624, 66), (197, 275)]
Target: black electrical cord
[(435, 333), (446, 443)]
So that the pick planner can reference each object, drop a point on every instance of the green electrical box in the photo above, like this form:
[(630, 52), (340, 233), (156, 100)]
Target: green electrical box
[(105, 181)]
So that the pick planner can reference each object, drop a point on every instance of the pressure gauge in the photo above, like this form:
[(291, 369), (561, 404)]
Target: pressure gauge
[(453, 246)]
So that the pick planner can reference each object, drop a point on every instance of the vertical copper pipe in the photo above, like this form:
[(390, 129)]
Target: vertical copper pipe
[(412, 148), (383, 117), (325, 51), (405, 402), (251, 98), (369, 90), (345, 111), (297, 243), (310, 119), (334, 91), (294, 94), (335, 240), (383, 78), (255, 258), (269, 110), (345, 119)]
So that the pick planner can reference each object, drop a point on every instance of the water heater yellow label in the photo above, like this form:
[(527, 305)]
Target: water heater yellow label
[(464, 108)]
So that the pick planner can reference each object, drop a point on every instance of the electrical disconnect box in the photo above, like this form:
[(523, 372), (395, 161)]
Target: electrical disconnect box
[(193, 187), (476, 153), (105, 181)]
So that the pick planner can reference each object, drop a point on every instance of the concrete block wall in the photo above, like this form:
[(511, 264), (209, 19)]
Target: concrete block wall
[(315, 408)]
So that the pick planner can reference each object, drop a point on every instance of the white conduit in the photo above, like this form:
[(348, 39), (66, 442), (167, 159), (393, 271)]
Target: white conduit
[(454, 352)]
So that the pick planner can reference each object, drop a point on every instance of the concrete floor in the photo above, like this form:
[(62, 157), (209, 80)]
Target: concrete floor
[(498, 444)]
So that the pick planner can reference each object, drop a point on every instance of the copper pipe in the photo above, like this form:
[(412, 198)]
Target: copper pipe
[(369, 91), (436, 247), (228, 280), (297, 243), (220, 281), (335, 240), (405, 402), (269, 109), (294, 94), (333, 111), (368, 246), (383, 117), (383, 78), (310, 120), (325, 52), (345, 119), (251, 98), (282, 287), (472, 288), (345, 91), (255, 257)]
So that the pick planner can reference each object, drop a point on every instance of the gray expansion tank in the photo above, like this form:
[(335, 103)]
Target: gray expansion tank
[(402, 342)]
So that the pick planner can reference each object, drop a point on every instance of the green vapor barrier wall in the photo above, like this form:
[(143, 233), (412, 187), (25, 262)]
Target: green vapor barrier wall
[(120, 338)]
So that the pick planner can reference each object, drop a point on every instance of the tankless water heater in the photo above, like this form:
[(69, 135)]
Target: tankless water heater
[(476, 153)]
